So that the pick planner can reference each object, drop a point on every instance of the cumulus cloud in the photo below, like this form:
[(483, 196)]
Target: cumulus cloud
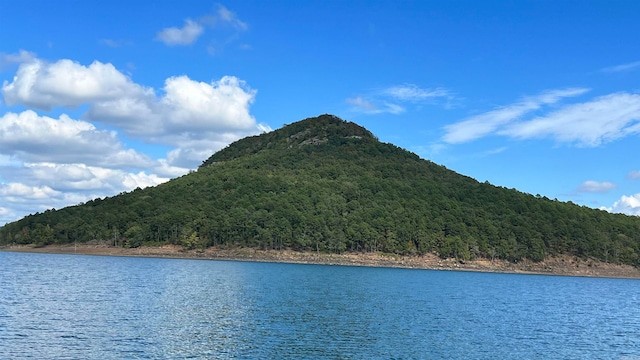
[(186, 35), (35, 138), (186, 106), (19, 192), (591, 186), (20, 199), (198, 118), (488, 123), (48, 162), (67, 83), (622, 67), (629, 205), (185, 115), (220, 104), (40, 186), (63, 177)]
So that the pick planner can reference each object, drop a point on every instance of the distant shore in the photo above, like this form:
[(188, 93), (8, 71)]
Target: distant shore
[(566, 265)]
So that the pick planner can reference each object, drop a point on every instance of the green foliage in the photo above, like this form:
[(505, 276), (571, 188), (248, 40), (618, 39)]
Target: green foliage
[(327, 185)]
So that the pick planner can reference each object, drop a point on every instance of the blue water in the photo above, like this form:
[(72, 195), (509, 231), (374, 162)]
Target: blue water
[(91, 307)]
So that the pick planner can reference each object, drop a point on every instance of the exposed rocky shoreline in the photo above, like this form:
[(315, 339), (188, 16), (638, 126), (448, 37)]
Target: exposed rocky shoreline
[(568, 266)]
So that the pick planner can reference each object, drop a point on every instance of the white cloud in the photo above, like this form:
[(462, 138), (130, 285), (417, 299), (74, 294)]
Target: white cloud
[(186, 35), (34, 138), (199, 106), (592, 123), (164, 169), (629, 205), (19, 192), (66, 83), (390, 100), (48, 162), (51, 163), (197, 118), (192, 30), (360, 104), (487, 123), (80, 177), (187, 112), (622, 67), (392, 108), (187, 106), (41, 186), (591, 186), (8, 60)]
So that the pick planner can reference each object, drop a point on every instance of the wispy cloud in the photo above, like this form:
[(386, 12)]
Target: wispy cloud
[(623, 67), (413, 93), (8, 60), (360, 104), (224, 16), (634, 174), (591, 186), (115, 43), (185, 35), (395, 99), (591, 123), (490, 122), (601, 120), (193, 29), (494, 151)]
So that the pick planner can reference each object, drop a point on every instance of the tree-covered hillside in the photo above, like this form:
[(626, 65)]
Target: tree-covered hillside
[(324, 184)]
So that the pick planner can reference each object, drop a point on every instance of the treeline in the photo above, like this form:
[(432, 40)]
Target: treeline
[(327, 185)]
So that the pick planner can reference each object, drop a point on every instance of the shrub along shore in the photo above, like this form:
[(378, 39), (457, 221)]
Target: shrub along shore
[(564, 265)]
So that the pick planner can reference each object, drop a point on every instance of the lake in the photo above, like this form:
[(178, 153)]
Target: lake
[(93, 307)]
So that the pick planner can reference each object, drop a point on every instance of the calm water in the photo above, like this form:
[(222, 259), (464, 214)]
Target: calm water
[(89, 307)]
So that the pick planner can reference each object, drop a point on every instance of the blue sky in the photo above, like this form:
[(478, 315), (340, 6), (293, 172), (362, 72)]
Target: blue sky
[(98, 98)]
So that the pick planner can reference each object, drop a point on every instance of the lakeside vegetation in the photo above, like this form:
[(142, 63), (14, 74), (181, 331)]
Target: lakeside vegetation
[(327, 185)]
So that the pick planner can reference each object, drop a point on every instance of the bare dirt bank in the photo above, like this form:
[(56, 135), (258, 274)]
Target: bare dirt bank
[(565, 265)]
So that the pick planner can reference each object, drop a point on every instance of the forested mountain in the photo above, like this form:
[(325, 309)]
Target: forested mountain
[(324, 184)]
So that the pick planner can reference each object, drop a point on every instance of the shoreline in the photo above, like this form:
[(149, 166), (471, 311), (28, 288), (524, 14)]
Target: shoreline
[(562, 266)]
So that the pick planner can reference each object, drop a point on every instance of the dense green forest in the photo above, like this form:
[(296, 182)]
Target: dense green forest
[(324, 184)]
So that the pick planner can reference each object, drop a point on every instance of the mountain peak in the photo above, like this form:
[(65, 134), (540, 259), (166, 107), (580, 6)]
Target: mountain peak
[(308, 132)]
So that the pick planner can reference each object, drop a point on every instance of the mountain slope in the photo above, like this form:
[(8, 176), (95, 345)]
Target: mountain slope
[(325, 184)]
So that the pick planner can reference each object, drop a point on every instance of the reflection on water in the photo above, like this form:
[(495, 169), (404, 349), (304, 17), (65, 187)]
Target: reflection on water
[(79, 307)]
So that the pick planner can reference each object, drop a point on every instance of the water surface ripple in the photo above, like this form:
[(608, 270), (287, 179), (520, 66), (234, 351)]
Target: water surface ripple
[(92, 307)]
